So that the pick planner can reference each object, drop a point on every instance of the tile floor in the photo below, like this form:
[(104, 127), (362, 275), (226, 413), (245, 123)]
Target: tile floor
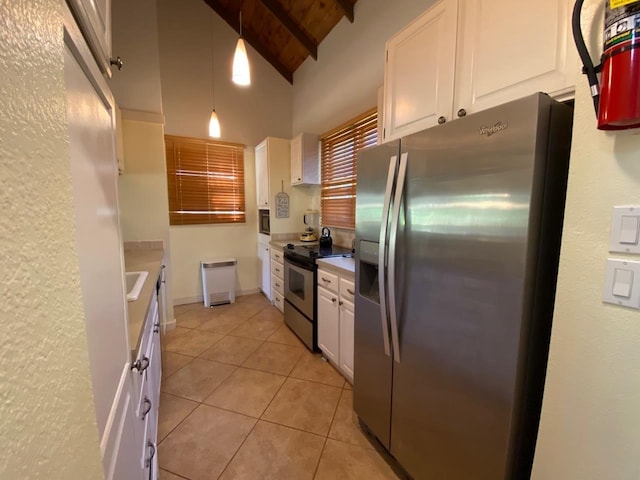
[(242, 398)]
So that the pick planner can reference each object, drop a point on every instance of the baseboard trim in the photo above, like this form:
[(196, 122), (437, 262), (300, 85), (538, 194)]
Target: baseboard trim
[(170, 325), (200, 298)]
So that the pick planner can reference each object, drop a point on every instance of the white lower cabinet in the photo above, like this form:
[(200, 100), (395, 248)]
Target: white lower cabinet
[(277, 278), (264, 260), (336, 321)]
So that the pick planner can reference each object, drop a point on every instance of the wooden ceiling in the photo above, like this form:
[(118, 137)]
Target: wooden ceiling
[(284, 32)]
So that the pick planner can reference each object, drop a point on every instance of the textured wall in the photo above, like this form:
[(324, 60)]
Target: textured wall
[(591, 416), (46, 405)]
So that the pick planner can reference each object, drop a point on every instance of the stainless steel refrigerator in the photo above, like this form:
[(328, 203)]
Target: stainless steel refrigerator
[(458, 234)]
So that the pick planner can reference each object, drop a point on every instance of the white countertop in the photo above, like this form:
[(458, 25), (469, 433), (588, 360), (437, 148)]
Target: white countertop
[(342, 265), (283, 243)]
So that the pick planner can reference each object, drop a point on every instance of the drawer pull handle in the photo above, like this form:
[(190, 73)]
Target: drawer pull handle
[(141, 365), (277, 269), (340, 302), (351, 292), (156, 327), (278, 285), (147, 402), (326, 280), (153, 453), (334, 300)]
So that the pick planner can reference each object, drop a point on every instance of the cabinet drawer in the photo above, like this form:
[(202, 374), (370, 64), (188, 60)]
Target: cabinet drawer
[(277, 269), (277, 284), (277, 255), (328, 280), (347, 290), (278, 300)]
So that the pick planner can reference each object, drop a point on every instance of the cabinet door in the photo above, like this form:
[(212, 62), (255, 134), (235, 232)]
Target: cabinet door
[(262, 175), (265, 269), (328, 324), (94, 19), (525, 49), (419, 72), (346, 338), (296, 160)]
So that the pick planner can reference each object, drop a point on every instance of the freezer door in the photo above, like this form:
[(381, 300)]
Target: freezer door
[(372, 355), (462, 251)]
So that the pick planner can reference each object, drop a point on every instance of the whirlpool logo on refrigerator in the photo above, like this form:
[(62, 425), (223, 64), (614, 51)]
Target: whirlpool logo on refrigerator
[(497, 127)]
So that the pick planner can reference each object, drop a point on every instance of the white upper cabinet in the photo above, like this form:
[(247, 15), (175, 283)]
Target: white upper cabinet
[(262, 175), (305, 160), (455, 60), (94, 20), (508, 50), (419, 72)]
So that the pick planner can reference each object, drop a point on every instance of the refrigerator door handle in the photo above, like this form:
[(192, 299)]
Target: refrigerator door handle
[(393, 163), (392, 255)]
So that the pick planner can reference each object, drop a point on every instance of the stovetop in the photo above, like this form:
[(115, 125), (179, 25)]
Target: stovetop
[(311, 252)]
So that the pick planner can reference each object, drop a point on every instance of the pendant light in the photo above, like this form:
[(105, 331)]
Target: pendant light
[(214, 123), (241, 71)]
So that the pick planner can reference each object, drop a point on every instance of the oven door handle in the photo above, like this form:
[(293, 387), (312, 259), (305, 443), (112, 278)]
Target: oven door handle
[(298, 263)]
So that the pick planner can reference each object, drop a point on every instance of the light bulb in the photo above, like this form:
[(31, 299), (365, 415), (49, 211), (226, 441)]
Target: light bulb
[(214, 125), (241, 71)]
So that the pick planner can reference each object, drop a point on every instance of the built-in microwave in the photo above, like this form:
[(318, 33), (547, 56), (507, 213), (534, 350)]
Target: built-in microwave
[(263, 221)]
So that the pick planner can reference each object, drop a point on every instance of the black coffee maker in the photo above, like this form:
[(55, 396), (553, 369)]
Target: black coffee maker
[(325, 238)]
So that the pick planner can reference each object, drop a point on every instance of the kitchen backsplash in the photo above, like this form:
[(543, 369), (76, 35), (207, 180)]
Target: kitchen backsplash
[(144, 245), (343, 238)]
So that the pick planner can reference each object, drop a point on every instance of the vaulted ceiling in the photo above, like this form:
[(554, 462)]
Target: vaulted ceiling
[(284, 32)]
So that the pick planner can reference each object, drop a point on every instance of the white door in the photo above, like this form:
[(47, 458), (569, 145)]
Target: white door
[(328, 324), (94, 19), (264, 258), (525, 49), (94, 174), (346, 338), (262, 175), (419, 72)]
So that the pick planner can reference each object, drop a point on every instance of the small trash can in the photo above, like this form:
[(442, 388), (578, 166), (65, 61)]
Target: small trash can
[(218, 281)]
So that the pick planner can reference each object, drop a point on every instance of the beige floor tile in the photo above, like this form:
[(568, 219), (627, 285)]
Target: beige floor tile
[(164, 475), (345, 423), (274, 358), (172, 335), (305, 405), (259, 327), (348, 386), (172, 362), (197, 379), (256, 298), (173, 410), (271, 313), (312, 367), (203, 444), (351, 462), (244, 309), (223, 323), (192, 342), (246, 391), (233, 350), (286, 336), (180, 309), (274, 452), (193, 318)]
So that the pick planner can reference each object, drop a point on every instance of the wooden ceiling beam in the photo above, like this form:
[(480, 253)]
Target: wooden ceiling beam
[(251, 38), (292, 27), (347, 7)]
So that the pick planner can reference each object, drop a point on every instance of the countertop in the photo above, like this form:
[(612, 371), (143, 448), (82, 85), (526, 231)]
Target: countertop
[(149, 260), (283, 243), (340, 265)]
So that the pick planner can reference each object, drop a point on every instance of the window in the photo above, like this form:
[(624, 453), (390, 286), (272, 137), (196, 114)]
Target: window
[(205, 180), (339, 149)]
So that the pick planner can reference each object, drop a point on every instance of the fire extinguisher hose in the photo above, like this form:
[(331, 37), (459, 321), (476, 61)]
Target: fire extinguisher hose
[(589, 68)]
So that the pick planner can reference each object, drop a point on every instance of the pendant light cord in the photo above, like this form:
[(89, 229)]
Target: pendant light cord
[(241, 23), (213, 60)]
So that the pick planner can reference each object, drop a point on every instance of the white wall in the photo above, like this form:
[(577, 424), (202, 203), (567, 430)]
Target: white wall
[(591, 411), (48, 418), (247, 115), (344, 81)]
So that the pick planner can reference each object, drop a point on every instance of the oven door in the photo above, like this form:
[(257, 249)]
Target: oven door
[(299, 287)]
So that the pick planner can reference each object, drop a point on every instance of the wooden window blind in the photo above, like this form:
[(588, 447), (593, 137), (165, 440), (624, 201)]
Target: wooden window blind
[(205, 181), (339, 149)]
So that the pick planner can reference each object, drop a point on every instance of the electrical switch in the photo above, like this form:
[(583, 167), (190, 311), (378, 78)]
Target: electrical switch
[(622, 282), (625, 229), (629, 229)]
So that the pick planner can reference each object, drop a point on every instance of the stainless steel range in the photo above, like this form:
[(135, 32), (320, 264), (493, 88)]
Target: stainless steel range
[(300, 278)]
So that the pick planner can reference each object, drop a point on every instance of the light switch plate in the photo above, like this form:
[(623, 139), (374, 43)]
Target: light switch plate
[(622, 283), (625, 229)]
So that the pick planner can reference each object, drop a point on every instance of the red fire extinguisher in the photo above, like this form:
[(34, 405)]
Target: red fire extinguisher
[(616, 98)]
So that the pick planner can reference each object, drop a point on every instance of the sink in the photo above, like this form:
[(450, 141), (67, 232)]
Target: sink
[(135, 281)]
